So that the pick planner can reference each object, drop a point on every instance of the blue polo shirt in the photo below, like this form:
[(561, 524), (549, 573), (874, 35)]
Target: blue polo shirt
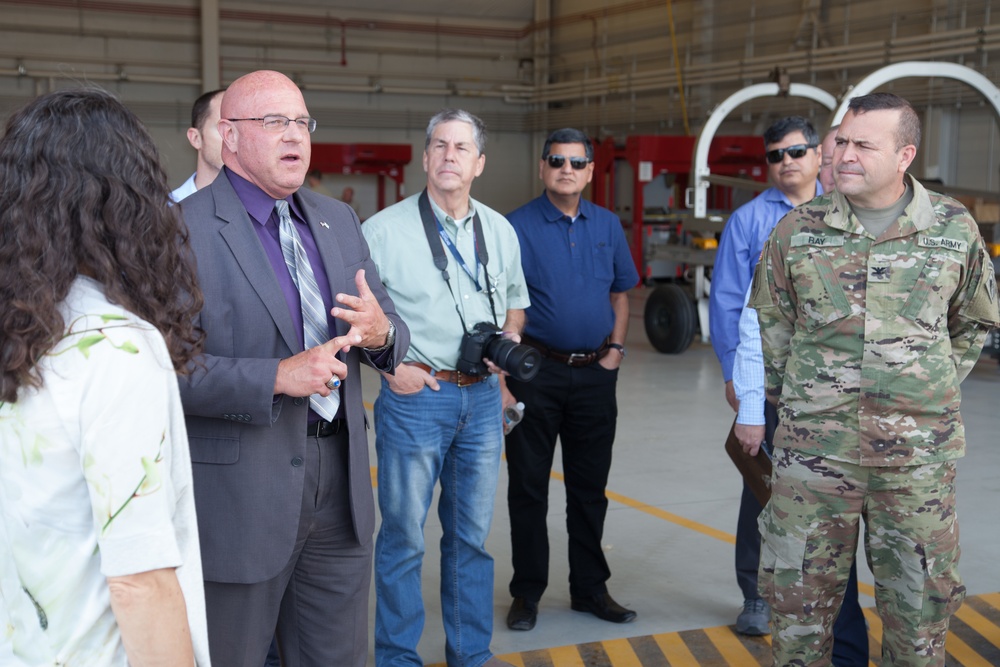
[(571, 267)]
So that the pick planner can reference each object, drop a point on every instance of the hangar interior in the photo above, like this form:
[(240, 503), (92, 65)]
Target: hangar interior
[(374, 71)]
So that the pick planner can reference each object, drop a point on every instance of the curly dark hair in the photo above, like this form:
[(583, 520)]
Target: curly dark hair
[(82, 192)]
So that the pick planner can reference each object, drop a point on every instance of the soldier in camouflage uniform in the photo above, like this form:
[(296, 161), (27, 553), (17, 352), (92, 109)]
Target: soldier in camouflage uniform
[(874, 302)]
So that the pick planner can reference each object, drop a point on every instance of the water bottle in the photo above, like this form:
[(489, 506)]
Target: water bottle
[(512, 416)]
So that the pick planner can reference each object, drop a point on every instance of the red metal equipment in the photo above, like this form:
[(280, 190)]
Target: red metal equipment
[(650, 156), (382, 160)]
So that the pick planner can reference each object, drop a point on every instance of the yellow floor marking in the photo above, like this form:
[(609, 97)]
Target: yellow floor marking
[(566, 656), (964, 653), (993, 599), (642, 507), (874, 630), (867, 589), (675, 650), (729, 645), (874, 623), (955, 647), (620, 653), (513, 658), (734, 652), (666, 516), (980, 624)]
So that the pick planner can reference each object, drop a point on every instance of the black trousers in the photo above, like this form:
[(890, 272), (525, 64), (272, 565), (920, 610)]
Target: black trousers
[(578, 406)]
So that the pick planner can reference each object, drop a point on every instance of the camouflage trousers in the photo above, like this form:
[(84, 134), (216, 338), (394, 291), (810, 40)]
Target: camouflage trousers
[(809, 535)]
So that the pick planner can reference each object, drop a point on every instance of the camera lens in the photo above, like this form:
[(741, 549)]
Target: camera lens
[(521, 361)]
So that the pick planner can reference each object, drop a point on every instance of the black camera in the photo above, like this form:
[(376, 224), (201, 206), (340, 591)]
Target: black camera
[(485, 340)]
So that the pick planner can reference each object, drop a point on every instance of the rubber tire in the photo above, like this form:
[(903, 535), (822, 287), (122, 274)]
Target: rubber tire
[(671, 319)]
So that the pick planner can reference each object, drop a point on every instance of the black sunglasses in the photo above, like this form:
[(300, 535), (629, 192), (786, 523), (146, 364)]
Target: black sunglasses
[(557, 161), (794, 152)]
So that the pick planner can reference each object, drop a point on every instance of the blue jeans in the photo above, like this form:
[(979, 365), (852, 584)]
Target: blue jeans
[(453, 435)]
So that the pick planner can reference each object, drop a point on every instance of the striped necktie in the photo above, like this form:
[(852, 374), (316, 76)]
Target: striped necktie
[(314, 323)]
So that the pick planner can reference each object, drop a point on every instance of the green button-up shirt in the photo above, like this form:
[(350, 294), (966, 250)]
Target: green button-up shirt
[(866, 340), (400, 250)]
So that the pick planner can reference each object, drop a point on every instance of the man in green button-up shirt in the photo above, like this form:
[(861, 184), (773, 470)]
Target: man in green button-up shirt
[(433, 423)]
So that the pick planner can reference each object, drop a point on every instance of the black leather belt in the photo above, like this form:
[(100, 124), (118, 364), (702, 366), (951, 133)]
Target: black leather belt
[(574, 359), (324, 429)]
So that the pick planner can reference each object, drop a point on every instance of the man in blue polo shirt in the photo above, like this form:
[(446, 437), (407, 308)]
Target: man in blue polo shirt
[(578, 269)]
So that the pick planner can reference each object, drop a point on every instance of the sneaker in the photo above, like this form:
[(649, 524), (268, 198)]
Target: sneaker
[(755, 619)]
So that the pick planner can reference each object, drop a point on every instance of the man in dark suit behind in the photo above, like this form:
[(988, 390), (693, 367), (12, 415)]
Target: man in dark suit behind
[(284, 499)]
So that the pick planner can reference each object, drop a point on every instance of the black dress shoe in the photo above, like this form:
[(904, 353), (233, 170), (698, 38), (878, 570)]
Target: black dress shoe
[(603, 607), (522, 615)]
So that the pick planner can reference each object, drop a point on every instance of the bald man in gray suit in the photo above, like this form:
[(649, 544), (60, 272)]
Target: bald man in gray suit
[(284, 498)]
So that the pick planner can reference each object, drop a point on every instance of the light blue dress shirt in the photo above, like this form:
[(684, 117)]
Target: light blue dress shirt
[(748, 369), (739, 249)]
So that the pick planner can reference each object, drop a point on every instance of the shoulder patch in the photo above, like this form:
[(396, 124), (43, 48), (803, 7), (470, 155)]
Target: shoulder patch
[(958, 245), (982, 307), (806, 239), (760, 294)]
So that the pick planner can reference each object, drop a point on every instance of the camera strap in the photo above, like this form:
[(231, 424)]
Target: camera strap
[(436, 235)]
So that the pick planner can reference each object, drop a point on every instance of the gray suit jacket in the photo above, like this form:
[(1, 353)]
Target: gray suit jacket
[(247, 445)]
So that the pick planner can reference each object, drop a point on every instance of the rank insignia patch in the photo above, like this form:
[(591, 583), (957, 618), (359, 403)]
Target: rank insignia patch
[(879, 273)]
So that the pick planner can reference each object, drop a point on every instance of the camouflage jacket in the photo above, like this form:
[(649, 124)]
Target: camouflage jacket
[(866, 341)]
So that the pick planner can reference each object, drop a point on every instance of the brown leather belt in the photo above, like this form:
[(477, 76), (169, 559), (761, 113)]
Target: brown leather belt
[(574, 359), (456, 377)]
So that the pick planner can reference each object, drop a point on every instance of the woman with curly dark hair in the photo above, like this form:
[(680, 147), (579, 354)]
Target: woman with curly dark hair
[(99, 557)]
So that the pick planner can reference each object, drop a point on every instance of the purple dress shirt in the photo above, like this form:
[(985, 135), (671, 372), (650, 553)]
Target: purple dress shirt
[(260, 207)]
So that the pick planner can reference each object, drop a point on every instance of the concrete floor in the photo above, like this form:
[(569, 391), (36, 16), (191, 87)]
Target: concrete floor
[(674, 498)]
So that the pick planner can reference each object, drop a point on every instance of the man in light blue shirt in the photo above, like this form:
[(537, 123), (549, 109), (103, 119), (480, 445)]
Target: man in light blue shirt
[(793, 160), (748, 367)]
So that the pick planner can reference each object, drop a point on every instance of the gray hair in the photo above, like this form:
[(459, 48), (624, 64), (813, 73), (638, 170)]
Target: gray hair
[(448, 115)]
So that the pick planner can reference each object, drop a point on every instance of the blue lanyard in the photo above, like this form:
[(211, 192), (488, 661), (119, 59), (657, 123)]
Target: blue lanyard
[(458, 256)]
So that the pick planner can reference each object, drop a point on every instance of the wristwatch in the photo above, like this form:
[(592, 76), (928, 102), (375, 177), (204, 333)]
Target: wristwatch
[(390, 338), (620, 348)]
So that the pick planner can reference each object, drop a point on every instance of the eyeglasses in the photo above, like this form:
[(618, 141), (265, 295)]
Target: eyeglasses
[(280, 123), (557, 161), (795, 152)]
